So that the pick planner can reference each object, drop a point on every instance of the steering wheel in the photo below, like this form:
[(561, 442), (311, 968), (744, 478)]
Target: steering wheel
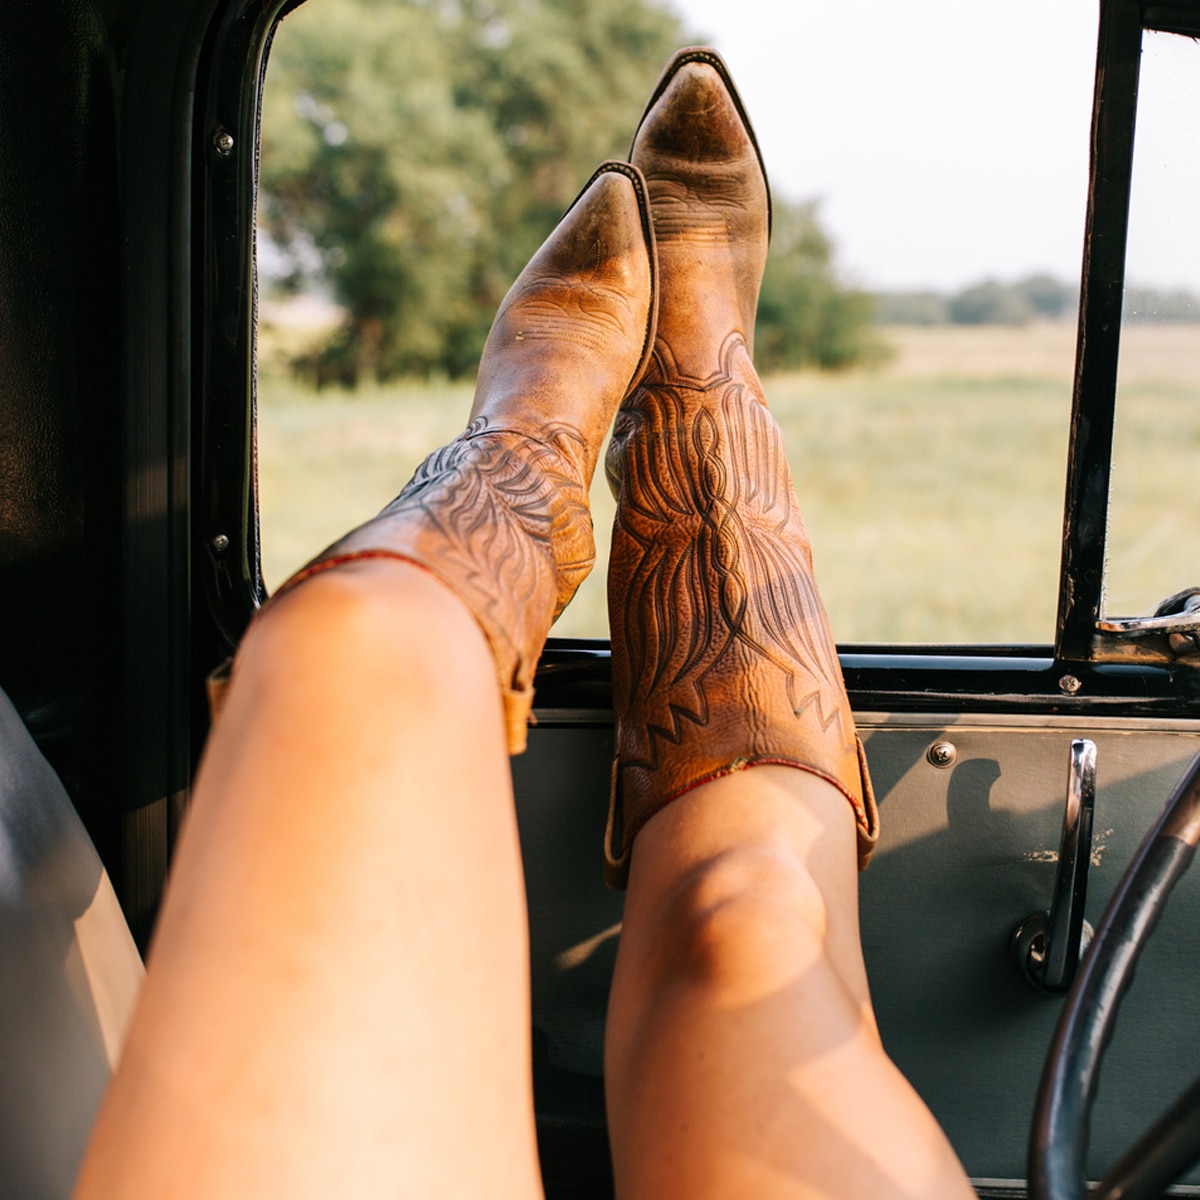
[(1062, 1114)]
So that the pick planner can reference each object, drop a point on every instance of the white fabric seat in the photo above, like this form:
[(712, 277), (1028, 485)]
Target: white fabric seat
[(69, 974)]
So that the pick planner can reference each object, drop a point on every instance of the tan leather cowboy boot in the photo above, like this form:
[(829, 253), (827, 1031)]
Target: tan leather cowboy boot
[(722, 655), (501, 514)]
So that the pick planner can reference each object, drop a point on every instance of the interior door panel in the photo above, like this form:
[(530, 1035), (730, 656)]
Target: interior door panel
[(968, 851)]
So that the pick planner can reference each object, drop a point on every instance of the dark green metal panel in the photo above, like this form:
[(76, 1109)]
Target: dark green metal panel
[(966, 854)]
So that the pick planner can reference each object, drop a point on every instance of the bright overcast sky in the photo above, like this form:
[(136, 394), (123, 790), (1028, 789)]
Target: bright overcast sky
[(946, 139)]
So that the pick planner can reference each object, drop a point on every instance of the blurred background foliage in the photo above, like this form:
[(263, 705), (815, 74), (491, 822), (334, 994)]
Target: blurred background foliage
[(1034, 298), (416, 152), (806, 316), (986, 303)]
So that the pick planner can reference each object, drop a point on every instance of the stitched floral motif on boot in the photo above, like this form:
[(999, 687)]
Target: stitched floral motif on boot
[(712, 590)]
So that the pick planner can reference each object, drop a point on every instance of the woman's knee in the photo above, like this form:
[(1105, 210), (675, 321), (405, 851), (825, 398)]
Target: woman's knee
[(748, 916), (366, 618)]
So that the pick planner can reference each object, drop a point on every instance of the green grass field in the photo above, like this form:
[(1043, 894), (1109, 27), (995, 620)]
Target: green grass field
[(932, 488)]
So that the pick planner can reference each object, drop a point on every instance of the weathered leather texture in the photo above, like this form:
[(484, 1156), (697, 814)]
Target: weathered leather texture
[(503, 520), (501, 514), (722, 654)]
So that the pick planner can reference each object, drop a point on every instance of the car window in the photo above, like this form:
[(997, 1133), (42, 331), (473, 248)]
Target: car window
[(942, 189), (1154, 505)]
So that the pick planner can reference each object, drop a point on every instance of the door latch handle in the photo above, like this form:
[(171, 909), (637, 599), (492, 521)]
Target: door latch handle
[(1047, 946), (1177, 614)]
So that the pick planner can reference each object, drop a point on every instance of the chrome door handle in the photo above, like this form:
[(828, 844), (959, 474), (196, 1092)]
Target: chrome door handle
[(1177, 614), (1047, 946)]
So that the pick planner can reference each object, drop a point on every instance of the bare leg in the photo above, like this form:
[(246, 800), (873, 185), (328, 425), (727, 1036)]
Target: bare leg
[(742, 1055), (337, 1000)]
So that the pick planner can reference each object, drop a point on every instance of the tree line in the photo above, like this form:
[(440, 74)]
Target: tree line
[(1036, 297), (416, 152)]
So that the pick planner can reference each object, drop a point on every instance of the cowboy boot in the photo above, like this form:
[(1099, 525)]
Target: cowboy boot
[(722, 654), (500, 515)]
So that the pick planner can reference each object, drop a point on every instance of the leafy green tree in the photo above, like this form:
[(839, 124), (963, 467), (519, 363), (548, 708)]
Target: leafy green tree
[(806, 318), (991, 303), (416, 152), (1049, 297), (423, 150), (911, 308), (985, 303)]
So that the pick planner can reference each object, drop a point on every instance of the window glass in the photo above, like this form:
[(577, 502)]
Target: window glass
[(1154, 508), (929, 165)]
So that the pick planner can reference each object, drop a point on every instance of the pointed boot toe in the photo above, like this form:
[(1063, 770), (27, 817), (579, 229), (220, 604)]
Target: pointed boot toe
[(501, 513), (721, 650), (696, 126), (577, 327), (710, 204)]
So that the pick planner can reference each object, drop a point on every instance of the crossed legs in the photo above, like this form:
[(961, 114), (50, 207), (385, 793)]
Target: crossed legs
[(337, 999), (338, 996)]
